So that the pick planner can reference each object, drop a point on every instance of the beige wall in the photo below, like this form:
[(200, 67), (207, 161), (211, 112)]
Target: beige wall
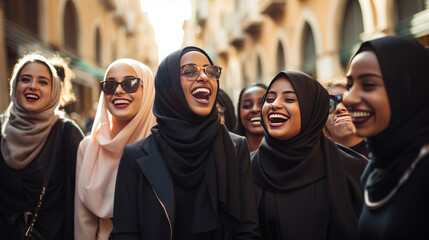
[(325, 18), (125, 32)]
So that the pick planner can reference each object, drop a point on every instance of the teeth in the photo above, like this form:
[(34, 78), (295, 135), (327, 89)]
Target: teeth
[(202, 90), (278, 116), (255, 119), (32, 96), (360, 114), (121, 101)]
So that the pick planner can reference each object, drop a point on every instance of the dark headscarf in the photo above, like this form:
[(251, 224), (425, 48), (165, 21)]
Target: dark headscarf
[(197, 150), (404, 65), (225, 101), (285, 165), (240, 128)]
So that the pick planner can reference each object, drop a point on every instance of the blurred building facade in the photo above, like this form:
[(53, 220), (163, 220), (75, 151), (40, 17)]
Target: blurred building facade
[(91, 34), (253, 40)]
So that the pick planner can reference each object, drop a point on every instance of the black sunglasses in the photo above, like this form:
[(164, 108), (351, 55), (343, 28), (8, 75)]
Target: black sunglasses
[(334, 100), (192, 72), (130, 85)]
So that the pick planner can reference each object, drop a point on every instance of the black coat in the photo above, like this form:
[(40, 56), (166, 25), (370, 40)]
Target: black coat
[(144, 205)]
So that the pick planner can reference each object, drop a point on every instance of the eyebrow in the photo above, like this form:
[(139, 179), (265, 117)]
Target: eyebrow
[(289, 92), (129, 76), (28, 75), (363, 75)]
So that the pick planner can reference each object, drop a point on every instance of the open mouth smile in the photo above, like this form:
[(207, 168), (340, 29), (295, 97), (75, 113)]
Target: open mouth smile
[(31, 97), (121, 102), (201, 94), (277, 119), (360, 117)]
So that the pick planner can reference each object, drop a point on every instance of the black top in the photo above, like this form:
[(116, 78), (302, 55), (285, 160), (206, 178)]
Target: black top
[(20, 189), (198, 152), (308, 187), (361, 148), (404, 67), (147, 201)]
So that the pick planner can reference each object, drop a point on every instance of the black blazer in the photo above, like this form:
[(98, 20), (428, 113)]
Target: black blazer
[(144, 195)]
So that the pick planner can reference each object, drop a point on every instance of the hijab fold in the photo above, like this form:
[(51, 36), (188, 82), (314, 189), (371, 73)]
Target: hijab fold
[(96, 182), (404, 66), (25, 133), (198, 150), (281, 166)]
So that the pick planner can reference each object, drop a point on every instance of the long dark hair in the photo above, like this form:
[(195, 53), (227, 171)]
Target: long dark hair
[(240, 128)]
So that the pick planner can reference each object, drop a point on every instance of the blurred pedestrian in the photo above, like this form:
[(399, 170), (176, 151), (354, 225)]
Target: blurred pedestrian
[(388, 99), (190, 179), (249, 114), (38, 155), (124, 116), (226, 110), (339, 126), (307, 186)]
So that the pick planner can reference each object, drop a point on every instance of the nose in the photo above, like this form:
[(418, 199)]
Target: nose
[(276, 104), (119, 89), (202, 76), (33, 85), (351, 97), (340, 108)]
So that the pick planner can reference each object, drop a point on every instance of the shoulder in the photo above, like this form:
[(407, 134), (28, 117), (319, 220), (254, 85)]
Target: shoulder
[(352, 157), (140, 148), (237, 139), (70, 128)]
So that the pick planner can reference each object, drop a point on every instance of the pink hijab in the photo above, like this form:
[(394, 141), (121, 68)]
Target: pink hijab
[(96, 181)]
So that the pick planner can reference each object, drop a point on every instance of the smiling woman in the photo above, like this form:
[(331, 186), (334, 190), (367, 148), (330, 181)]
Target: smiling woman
[(307, 187), (124, 115), (191, 178)]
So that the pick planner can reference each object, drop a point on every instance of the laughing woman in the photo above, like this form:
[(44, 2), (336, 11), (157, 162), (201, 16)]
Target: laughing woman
[(388, 98), (124, 116), (38, 156), (307, 187), (249, 114), (190, 179)]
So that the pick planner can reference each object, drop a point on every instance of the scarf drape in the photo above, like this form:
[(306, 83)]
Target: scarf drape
[(404, 66), (96, 182), (281, 166), (24, 133), (198, 150)]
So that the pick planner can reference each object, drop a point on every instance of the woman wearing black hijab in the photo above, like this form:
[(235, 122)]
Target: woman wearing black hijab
[(190, 179), (307, 187), (388, 99)]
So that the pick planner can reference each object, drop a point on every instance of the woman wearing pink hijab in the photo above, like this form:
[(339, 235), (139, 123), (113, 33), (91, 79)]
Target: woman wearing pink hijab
[(124, 115)]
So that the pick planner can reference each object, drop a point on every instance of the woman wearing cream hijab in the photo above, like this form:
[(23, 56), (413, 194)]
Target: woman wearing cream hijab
[(124, 115)]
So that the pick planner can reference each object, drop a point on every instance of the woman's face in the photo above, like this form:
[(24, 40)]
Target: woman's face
[(201, 92), (250, 110), (366, 98), (122, 105), (34, 87), (281, 112), (339, 123)]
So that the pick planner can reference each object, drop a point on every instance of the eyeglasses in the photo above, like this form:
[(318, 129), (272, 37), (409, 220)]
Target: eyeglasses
[(334, 100), (192, 72), (130, 85)]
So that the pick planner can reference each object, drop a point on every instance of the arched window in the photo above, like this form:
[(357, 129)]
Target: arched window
[(70, 28), (24, 13), (98, 46), (350, 31), (259, 69), (280, 58), (309, 52)]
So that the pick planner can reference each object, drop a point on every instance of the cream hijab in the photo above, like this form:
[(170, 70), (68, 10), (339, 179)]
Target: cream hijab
[(24, 133), (97, 178)]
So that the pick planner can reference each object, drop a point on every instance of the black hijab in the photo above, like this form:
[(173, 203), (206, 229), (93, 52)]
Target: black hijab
[(404, 65), (281, 166), (197, 150)]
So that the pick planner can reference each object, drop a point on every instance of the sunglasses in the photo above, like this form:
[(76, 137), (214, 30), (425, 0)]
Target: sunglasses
[(334, 100), (192, 72), (130, 85)]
